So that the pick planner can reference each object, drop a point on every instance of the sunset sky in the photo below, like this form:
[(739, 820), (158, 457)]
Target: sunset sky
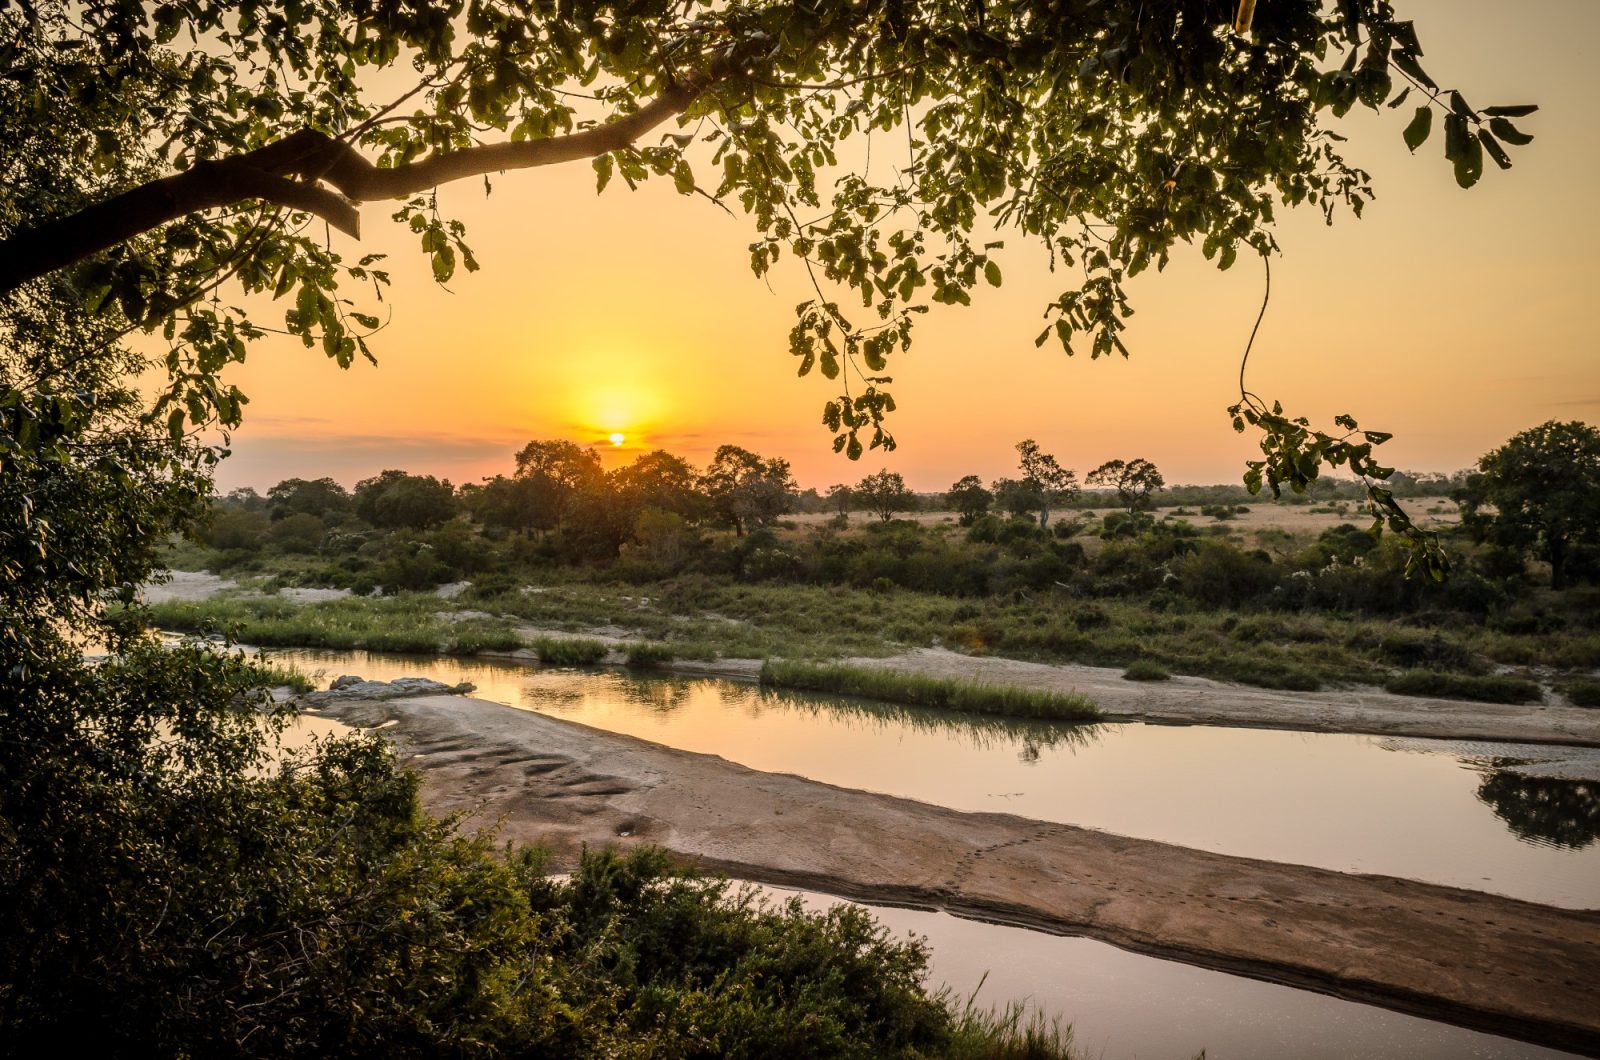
[(1451, 318)]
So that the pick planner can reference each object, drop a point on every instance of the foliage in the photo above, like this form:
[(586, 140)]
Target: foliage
[(1046, 481), (564, 651), (1583, 693), (646, 655), (1146, 670), (921, 691), (1134, 480), (745, 490), (396, 500), (1539, 494), (968, 499), (1485, 689), (202, 138), (321, 498), (884, 493)]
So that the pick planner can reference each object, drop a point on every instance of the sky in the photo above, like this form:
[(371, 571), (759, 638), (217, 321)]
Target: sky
[(1451, 318)]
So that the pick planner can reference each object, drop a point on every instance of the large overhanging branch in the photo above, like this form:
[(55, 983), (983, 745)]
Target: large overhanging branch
[(269, 173)]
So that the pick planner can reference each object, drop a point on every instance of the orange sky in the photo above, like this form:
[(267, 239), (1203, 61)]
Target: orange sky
[(1451, 318)]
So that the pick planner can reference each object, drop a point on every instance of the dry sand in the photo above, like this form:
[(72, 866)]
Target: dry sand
[(1480, 960)]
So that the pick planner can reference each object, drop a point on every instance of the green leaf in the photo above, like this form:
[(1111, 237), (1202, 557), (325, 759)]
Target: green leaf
[(1421, 126), (991, 272), (1519, 111)]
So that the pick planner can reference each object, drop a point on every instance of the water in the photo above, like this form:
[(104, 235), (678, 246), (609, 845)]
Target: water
[(1425, 810), (1124, 1004)]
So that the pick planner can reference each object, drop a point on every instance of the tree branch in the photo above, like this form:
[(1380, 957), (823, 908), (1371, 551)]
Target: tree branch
[(315, 158)]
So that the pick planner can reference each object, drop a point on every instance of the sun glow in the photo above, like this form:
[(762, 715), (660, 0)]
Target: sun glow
[(617, 438)]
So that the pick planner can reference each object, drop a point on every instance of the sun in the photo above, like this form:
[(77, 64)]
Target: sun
[(617, 439)]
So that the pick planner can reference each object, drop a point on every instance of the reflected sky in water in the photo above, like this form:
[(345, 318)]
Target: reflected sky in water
[(1123, 1004), (1337, 801)]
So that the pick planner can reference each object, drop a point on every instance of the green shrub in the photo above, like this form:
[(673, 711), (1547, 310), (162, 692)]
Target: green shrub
[(1583, 693), (1146, 670), (563, 652), (647, 655), (470, 637), (1494, 688)]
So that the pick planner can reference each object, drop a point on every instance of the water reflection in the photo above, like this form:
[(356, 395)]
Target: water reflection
[(982, 731), (1418, 809), (1558, 812)]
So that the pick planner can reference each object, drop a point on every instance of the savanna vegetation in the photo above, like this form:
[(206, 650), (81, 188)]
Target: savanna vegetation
[(166, 885), (1189, 591)]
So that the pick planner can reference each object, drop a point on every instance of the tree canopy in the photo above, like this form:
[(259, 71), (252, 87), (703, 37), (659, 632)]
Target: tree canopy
[(1538, 495), (202, 136)]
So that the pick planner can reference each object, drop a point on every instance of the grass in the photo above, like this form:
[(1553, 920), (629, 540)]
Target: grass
[(564, 652), (278, 675), (1583, 693), (1146, 670), (647, 655), (921, 691), (1494, 688), (477, 635), (400, 624), (699, 617)]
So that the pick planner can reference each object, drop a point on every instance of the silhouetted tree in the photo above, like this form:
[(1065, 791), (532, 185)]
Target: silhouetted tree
[(745, 490), (1052, 484), (1134, 480)]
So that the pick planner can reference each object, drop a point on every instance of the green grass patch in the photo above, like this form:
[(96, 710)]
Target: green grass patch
[(1146, 670), (1583, 693), (402, 624), (1495, 688), (647, 655), (470, 637), (921, 691), (279, 675), (561, 652)]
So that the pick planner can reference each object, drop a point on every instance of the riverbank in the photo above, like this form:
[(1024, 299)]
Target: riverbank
[(428, 622), (1475, 959)]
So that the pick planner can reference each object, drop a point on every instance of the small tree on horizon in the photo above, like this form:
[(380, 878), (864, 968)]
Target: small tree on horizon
[(968, 499), (884, 493), (1052, 483), (1134, 480)]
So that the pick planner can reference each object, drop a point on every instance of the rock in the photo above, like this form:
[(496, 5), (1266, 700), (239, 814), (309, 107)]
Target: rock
[(351, 687)]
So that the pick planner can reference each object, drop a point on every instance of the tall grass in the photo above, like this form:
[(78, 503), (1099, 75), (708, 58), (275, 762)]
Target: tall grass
[(645, 655), (921, 691), (1494, 688), (563, 652)]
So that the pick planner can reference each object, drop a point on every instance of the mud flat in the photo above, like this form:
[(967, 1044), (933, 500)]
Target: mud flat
[(1483, 961)]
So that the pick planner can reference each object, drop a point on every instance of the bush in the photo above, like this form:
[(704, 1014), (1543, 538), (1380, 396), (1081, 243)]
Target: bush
[(645, 656), (470, 637), (1146, 670), (1583, 693), (1495, 688)]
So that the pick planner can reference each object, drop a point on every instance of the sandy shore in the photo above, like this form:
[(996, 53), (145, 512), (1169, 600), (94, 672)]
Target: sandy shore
[(1479, 960)]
